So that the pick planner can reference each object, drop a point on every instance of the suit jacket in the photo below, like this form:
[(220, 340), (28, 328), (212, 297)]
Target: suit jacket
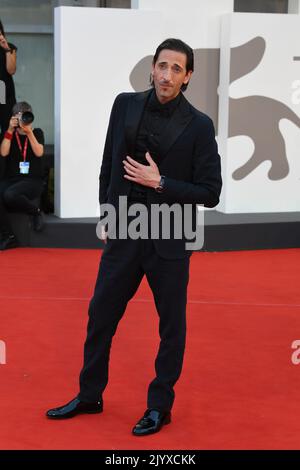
[(189, 161)]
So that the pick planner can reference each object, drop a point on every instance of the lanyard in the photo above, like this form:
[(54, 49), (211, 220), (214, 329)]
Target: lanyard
[(24, 151)]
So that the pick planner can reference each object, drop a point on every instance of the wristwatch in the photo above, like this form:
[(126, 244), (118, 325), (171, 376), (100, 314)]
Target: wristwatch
[(160, 187)]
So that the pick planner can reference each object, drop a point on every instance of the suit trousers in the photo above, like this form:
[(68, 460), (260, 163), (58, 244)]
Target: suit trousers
[(16, 194), (122, 267)]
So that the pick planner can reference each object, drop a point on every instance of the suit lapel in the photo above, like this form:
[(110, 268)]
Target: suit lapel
[(134, 113), (181, 117)]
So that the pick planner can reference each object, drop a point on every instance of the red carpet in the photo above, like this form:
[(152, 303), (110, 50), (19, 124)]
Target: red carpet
[(239, 388)]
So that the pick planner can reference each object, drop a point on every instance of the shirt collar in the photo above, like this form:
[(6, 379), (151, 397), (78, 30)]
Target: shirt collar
[(168, 108)]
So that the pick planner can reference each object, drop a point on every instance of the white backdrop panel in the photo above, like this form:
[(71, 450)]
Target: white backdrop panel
[(262, 100)]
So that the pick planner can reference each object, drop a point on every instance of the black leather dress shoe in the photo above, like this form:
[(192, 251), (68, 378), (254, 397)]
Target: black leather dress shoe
[(73, 408), (151, 422)]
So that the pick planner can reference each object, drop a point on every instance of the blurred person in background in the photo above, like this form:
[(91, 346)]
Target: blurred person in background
[(8, 65), (23, 148)]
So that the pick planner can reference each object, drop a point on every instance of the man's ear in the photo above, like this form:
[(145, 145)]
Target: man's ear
[(187, 77)]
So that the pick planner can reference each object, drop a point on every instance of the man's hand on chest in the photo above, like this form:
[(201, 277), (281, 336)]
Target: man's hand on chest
[(146, 175)]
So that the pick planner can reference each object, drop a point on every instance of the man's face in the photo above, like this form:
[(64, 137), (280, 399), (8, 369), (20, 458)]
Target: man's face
[(169, 74)]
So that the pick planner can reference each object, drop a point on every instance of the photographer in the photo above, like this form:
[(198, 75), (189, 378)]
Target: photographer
[(23, 149), (8, 64)]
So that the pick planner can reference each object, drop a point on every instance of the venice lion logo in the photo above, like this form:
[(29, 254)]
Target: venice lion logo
[(255, 116)]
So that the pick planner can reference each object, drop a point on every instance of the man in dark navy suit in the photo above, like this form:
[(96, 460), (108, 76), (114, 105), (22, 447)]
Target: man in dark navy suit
[(158, 149)]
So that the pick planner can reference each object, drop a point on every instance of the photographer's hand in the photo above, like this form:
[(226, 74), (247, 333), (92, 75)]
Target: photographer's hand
[(26, 129), (4, 43), (6, 141), (13, 123), (37, 148), (11, 56)]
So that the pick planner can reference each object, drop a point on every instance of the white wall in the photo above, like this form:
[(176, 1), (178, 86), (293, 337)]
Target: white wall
[(294, 7), (212, 6), (89, 75)]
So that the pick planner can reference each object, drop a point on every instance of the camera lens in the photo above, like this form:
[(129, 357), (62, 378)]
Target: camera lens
[(27, 118)]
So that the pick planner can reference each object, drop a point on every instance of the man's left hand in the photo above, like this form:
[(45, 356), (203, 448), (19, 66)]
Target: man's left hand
[(146, 175)]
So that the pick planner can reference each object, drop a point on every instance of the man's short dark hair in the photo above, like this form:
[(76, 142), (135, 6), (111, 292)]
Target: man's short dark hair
[(21, 107), (179, 46)]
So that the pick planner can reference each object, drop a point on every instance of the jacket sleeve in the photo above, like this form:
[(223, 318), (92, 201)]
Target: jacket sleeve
[(105, 172), (207, 181)]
